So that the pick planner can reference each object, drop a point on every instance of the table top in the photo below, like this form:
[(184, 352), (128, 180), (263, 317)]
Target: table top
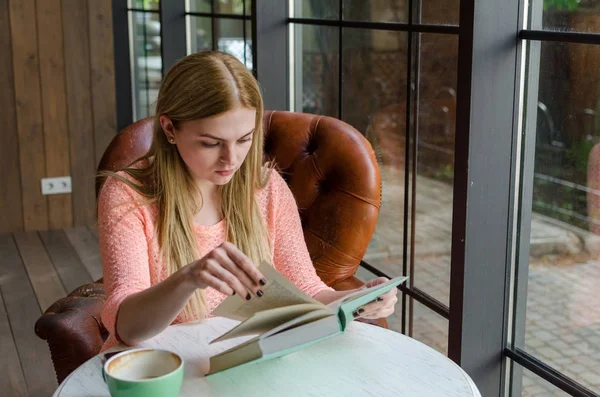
[(364, 361)]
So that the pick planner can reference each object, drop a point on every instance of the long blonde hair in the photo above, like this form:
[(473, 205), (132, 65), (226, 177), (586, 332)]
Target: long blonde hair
[(198, 86)]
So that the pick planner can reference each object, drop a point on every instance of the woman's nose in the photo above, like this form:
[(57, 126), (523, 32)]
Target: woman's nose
[(228, 155)]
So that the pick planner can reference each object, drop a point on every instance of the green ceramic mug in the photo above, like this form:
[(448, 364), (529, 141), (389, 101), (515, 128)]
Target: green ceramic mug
[(144, 373)]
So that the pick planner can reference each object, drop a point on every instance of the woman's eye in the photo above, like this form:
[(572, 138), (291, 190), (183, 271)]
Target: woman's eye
[(244, 140), (206, 144)]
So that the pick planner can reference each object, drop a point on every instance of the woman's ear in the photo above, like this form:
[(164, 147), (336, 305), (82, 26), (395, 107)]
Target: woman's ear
[(167, 127)]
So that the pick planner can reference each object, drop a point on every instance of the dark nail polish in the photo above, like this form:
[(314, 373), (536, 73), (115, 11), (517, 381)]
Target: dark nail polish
[(379, 299), (262, 281), (360, 311), (259, 293), (248, 297), (233, 293)]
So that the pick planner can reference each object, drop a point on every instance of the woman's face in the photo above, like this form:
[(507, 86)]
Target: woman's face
[(213, 148)]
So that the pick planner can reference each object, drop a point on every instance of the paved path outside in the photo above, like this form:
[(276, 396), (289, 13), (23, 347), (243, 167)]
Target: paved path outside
[(563, 305)]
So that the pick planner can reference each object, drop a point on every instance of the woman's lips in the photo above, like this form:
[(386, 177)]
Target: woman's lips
[(225, 172)]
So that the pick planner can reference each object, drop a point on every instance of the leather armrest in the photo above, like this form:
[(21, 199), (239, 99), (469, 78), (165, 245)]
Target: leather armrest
[(353, 283), (73, 328)]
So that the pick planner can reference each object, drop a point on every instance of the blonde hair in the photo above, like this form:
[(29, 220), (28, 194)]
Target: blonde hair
[(198, 86)]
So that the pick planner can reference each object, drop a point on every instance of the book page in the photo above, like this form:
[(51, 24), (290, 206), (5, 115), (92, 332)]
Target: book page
[(267, 320), (278, 292)]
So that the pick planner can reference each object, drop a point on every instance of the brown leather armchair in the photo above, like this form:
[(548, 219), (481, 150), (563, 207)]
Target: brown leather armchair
[(329, 166)]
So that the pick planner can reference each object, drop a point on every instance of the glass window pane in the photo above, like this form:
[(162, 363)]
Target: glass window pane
[(441, 12), (566, 15), (563, 305), (231, 39), (147, 61), (144, 4), (199, 34), (374, 92), (230, 6), (199, 6), (316, 65), (534, 386), (320, 9), (429, 327), (435, 163), (376, 10)]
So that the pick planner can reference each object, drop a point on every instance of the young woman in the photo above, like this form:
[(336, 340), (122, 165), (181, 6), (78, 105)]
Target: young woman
[(185, 225)]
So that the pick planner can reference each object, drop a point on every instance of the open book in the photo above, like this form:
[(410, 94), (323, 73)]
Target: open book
[(285, 319)]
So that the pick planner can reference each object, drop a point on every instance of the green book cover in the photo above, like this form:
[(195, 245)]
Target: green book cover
[(286, 320)]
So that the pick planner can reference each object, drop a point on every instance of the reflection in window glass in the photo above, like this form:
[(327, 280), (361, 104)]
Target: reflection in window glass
[(199, 6), (229, 37), (199, 34), (316, 69), (568, 15), (563, 305), (435, 163), (440, 12), (376, 10), (146, 61), (429, 327), (374, 96), (318, 9), (231, 6), (534, 386), (144, 4)]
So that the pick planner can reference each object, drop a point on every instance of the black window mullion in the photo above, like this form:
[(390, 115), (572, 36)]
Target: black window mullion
[(407, 184), (391, 26), (562, 37)]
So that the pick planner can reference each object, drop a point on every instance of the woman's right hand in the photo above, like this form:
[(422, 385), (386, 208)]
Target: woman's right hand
[(228, 270)]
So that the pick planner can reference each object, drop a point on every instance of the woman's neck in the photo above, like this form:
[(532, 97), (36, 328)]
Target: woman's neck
[(211, 212)]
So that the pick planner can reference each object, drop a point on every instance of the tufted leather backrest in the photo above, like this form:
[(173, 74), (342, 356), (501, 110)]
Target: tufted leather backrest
[(329, 166), (332, 171)]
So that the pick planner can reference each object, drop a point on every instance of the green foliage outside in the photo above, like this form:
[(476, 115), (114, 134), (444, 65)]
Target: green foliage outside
[(147, 4), (561, 5)]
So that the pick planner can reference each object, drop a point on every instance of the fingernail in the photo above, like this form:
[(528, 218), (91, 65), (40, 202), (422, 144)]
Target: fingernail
[(262, 281), (248, 297), (233, 293), (360, 311), (379, 299), (259, 293)]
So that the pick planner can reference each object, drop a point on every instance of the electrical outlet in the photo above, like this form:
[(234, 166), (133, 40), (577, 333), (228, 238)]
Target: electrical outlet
[(58, 185)]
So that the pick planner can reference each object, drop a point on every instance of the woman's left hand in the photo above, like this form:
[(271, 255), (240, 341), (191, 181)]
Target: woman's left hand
[(380, 308)]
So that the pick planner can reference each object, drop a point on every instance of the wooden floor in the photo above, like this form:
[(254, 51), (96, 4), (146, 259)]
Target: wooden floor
[(36, 269)]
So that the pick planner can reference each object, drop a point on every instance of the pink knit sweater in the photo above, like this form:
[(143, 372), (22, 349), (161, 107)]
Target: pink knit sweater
[(130, 252)]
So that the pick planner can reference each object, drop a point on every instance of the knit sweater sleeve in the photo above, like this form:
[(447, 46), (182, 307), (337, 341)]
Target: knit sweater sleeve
[(291, 255), (123, 247)]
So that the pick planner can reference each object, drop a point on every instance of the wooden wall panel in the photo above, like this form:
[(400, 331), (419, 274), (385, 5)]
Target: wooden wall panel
[(79, 103), (56, 137), (11, 207), (103, 74), (26, 74), (58, 108)]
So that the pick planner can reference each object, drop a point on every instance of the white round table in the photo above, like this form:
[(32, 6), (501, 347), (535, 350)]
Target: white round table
[(364, 361)]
